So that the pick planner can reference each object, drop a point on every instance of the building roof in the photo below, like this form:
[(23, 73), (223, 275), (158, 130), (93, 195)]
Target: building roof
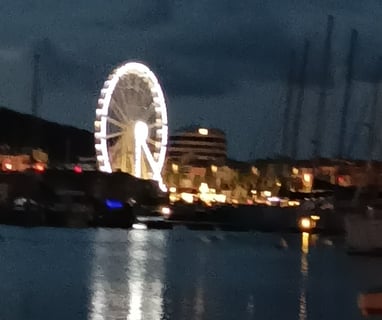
[(195, 128)]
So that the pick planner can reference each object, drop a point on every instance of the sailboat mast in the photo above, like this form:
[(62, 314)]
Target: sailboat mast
[(347, 94), (325, 78), (300, 100), (35, 85), (374, 109), (288, 105)]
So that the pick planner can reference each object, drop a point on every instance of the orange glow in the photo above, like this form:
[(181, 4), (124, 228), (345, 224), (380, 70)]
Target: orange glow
[(305, 242), (340, 179), (39, 167), (305, 223), (307, 177), (8, 166)]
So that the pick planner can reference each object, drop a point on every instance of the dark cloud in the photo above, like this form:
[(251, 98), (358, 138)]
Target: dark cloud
[(60, 69), (201, 79), (207, 54), (136, 15), (215, 53), (148, 13), (367, 60)]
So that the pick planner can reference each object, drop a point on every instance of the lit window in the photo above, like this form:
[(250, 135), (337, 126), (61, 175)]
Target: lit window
[(203, 131)]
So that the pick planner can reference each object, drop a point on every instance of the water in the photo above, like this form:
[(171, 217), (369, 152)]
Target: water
[(177, 274)]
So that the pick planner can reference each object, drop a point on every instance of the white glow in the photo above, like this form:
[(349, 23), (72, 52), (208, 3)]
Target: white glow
[(187, 197), (267, 193), (166, 211), (141, 131), (98, 135), (203, 131), (221, 198), (160, 122), (139, 226), (203, 188)]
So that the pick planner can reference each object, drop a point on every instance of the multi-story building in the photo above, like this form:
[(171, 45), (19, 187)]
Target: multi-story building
[(11, 160), (201, 145)]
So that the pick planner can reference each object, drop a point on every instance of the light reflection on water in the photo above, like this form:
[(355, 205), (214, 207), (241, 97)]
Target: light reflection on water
[(178, 274), (302, 314), (134, 294)]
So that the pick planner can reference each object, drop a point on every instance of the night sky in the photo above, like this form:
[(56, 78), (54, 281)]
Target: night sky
[(221, 63)]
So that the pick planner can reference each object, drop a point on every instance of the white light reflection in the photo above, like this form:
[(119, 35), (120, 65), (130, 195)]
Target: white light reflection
[(135, 302), (251, 306), (136, 267), (127, 276), (145, 272), (98, 300), (304, 267), (199, 301)]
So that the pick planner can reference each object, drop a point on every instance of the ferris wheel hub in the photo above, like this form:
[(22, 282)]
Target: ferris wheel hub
[(141, 131)]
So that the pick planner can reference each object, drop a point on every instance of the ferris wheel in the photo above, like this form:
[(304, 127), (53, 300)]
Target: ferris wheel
[(131, 123)]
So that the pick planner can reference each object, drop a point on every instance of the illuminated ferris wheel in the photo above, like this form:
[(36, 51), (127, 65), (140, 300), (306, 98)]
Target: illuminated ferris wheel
[(131, 123)]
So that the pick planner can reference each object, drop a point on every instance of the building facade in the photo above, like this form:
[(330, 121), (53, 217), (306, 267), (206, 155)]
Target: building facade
[(201, 145)]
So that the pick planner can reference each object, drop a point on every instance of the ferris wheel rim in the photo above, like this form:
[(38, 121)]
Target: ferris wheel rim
[(104, 103)]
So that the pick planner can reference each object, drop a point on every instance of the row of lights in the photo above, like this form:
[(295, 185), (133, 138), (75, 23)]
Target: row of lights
[(8, 166)]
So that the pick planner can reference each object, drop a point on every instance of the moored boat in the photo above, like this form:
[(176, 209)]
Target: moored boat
[(370, 302), (364, 232)]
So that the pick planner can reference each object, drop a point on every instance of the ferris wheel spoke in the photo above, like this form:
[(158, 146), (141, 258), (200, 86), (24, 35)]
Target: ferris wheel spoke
[(123, 98), (118, 149), (116, 122), (154, 125), (146, 116), (152, 142), (113, 135), (118, 111)]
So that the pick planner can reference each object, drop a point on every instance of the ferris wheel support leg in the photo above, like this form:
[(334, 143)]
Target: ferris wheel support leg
[(138, 159)]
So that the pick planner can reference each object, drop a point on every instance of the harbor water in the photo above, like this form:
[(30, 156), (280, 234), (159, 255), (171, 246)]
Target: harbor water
[(95, 274)]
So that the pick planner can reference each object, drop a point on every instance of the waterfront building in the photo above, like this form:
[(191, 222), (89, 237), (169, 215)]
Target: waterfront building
[(201, 145), (22, 160)]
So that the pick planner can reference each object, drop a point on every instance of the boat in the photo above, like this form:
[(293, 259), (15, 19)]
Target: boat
[(364, 232), (370, 302), (65, 198)]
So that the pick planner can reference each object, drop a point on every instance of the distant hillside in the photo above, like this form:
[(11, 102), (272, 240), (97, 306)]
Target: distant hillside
[(21, 130)]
